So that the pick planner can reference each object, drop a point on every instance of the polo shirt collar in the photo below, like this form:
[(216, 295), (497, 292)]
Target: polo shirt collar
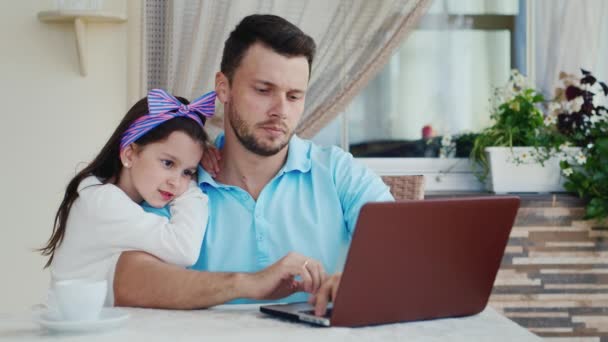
[(298, 159), (298, 156)]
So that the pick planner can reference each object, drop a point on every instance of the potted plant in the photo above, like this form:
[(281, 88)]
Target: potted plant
[(457, 146), (519, 151), (581, 109)]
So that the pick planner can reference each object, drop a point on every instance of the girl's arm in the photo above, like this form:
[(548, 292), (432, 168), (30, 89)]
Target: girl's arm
[(124, 225)]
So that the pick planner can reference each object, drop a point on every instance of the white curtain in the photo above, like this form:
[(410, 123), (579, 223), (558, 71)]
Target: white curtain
[(569, 35), (184, 42)]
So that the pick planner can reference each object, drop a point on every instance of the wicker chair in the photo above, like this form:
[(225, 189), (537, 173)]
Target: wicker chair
[(406, 187)]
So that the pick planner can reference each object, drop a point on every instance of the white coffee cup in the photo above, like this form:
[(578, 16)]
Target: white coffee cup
[(79, 299)]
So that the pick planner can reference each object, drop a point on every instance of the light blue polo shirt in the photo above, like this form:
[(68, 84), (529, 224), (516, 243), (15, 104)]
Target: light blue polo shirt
[(309, 207)]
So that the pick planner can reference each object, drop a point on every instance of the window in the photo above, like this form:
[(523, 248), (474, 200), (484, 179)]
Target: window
[(438, 83)]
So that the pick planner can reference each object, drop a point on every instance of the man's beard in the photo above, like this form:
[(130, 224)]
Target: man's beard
[(247, 138)]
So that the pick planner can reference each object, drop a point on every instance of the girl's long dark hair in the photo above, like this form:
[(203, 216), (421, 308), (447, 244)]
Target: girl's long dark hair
[(107, 164)]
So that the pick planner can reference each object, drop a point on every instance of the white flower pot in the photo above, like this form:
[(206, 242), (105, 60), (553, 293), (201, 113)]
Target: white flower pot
[(528, 175)]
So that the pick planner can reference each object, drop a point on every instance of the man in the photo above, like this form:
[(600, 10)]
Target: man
[(282, 210)]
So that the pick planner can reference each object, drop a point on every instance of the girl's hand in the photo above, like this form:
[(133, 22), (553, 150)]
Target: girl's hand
[(211, 160)]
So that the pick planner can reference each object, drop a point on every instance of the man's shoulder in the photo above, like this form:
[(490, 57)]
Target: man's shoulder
[(326, 155)]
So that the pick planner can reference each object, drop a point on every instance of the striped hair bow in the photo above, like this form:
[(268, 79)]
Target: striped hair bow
[(162, 107)]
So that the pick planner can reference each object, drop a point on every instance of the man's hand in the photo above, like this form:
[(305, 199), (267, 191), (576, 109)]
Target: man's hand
[(279, 279), (211, 160), (326, 294)]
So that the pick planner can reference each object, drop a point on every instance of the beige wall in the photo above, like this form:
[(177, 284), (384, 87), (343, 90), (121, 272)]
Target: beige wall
[(52, 119)]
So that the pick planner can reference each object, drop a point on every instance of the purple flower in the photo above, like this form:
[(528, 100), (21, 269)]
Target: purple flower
[(573, 92), (587, 107), (605, 88), (588, 79)]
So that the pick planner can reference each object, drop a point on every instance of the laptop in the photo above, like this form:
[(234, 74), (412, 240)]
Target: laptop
[(417, 260)]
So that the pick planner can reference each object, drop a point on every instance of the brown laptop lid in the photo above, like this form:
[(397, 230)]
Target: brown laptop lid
[(441, 256)]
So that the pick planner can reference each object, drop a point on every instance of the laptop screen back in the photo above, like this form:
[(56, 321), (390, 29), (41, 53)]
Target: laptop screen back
[(417, 260)]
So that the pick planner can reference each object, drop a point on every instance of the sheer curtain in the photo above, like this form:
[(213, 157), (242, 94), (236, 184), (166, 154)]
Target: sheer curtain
[(184, 42), (569, 35)]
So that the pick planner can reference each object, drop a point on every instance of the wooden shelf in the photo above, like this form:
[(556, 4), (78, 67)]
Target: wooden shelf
[(80, 19)]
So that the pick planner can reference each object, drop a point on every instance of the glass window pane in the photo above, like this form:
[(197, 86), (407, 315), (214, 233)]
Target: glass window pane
[(431, 81), (437, 83)]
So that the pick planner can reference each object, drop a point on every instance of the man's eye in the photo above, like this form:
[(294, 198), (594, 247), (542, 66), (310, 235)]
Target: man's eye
[(261, 90), (167, 163), (189, 173)]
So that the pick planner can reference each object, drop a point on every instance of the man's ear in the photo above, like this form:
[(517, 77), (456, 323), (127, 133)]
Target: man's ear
[(127, 155), (222, 87)]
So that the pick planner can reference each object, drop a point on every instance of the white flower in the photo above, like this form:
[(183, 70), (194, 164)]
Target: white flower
[(564, 146), (550, 120), (590, 146), (504, 95), (580, 158), (567, 172), (563, 156), (554, 107), (596, 88), (519, 81), (446, 140), (600, 100), (574, 105)]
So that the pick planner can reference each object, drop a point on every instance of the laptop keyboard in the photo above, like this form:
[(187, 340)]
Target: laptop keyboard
[(312, 312)]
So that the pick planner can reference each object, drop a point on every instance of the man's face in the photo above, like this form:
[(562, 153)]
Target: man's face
[(266, 99)]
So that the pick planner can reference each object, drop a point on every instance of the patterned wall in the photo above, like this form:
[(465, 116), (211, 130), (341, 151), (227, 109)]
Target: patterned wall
[(554, 276)]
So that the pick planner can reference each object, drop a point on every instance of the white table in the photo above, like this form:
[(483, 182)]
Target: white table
[(246, 323)]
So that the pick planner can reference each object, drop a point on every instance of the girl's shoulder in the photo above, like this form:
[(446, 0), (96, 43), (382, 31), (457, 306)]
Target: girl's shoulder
[(93, 187), (88, 182), (100, 197)]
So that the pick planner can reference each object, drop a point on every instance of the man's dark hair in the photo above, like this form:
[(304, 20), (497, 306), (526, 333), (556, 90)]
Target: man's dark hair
[(274, 32)]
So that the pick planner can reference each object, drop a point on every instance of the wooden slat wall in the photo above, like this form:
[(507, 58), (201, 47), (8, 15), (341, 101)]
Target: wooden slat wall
[(554, 276)]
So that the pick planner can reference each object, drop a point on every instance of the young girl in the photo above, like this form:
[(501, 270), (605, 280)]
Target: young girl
[(152, 156)]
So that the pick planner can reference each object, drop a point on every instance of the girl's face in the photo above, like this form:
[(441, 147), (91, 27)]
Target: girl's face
[(160, 171)]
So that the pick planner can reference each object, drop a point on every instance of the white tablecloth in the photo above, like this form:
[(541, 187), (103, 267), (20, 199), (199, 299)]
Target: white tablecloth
[(246, 323)]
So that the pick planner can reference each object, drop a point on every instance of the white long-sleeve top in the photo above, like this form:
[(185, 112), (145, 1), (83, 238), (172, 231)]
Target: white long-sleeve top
[(104, 222)]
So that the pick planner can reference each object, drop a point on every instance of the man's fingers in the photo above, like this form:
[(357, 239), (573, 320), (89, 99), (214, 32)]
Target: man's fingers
[(334, 291), (213, 162), (312, 299), (310, 267), (216, 163), (207, 164), (210, 160), (216, 160), (319, 272), (321, 299), (307, 280)]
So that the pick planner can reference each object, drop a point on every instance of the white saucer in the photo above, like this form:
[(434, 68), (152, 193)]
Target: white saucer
[(109, 318)]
